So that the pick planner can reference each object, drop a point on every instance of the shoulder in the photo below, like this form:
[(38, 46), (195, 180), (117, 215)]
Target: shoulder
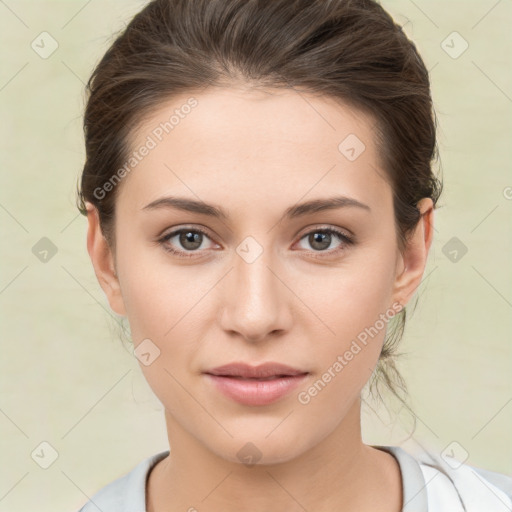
[(128, 492), (476, 488), (432, 482)]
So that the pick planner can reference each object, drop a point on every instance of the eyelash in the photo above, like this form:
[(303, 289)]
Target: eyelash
[(347, 241)]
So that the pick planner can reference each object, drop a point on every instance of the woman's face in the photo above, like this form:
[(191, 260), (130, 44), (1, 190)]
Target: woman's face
[(260, 285)]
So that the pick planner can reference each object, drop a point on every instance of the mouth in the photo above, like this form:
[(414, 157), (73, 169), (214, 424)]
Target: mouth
[(255, 385)]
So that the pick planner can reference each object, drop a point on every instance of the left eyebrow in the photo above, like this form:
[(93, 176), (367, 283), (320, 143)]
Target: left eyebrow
[(317, 205), (299, 210)]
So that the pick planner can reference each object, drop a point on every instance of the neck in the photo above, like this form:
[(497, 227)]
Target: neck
[(339, 471)]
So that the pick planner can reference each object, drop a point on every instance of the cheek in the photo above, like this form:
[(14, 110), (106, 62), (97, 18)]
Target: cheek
[(349, 353), (155, 294), (352, 298), (163, 324), (354, 304), (162, 303)]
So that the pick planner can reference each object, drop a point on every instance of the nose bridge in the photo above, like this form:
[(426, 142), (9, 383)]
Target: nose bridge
[(255, 303)]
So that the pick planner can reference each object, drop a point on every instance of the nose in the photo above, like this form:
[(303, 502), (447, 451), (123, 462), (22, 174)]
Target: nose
[(256, 300)]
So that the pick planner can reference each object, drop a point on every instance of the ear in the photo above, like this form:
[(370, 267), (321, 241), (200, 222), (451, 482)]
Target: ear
[(103, 261), (411, 264)]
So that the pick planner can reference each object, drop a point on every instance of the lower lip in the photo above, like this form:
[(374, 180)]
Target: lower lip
[(256, 392)]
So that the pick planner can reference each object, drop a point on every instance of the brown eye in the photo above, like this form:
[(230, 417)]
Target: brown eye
[(321, 239), (188, 241)]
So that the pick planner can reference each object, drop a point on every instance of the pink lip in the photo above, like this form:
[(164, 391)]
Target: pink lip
[(240, 369), (244, 384), (255, 392)]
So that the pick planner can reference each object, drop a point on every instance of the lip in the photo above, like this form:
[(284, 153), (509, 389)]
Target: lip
[(243, 383), (240, 369)]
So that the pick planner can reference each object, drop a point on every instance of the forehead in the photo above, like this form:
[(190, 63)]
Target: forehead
[(254, 146)]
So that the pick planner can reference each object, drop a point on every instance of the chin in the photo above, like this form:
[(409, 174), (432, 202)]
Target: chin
[(252, 450)]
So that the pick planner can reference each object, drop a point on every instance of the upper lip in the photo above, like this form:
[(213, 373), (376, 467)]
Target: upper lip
[(270, 369)]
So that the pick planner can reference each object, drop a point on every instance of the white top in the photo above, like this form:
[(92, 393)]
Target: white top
[(429, 485)]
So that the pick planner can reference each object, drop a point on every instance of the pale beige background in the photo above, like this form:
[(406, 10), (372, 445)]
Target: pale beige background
[(67, 379)]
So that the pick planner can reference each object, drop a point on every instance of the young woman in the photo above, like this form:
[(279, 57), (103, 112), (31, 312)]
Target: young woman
[(260, 197)]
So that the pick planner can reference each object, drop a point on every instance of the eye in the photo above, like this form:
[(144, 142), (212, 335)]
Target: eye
[(190, 239), (321, 239)]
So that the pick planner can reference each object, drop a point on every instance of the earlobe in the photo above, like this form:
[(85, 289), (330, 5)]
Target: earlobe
[(411, 264), (103, 261)]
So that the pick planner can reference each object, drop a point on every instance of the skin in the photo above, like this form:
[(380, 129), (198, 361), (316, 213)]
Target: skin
[(256, 153)]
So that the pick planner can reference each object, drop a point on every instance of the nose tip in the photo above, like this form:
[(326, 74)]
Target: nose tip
[(258, 338)]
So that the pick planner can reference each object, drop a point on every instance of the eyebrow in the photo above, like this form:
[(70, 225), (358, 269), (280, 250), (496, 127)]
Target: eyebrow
[(299, 210)]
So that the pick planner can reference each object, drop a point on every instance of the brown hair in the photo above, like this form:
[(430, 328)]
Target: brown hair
[(349, 50)]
